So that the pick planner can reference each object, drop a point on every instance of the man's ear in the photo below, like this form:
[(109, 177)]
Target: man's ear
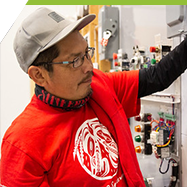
[(37, 75)]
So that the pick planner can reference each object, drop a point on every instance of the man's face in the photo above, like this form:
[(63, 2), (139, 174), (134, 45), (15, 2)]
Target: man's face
[(65, 81)]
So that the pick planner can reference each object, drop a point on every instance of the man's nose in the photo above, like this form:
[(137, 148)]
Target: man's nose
[(87, 65)]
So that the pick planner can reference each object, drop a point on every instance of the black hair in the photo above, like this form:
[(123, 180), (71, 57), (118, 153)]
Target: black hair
[(47, 56)]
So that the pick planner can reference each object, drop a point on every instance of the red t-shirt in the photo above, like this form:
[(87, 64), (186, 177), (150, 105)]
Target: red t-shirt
[(90, 146)]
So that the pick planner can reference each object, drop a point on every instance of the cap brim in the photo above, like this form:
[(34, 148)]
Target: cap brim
[(77, 25)]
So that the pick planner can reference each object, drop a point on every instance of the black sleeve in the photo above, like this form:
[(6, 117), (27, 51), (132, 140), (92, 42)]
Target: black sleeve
[(159, 77)]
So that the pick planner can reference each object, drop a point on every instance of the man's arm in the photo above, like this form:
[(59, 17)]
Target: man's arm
[(19, 169), (159, 77)]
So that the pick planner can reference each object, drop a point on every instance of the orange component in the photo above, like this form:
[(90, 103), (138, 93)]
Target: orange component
[(156, 121), (115, 56), (138, 128), (138, 149)]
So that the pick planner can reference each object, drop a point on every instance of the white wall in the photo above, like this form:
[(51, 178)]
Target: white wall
[(15, 91), (139, 24)]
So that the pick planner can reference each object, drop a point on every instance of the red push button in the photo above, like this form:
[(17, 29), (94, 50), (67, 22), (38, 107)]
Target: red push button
[(115, 56), (152, 49)]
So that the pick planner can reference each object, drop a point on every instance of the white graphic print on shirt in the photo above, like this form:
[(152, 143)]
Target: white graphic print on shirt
[(96, 150)]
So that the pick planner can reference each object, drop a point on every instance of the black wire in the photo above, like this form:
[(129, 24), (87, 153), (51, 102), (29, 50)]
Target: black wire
[(161, 166), (167, 166)]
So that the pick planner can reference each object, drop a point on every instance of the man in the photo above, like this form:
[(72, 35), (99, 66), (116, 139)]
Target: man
[(75, 132)]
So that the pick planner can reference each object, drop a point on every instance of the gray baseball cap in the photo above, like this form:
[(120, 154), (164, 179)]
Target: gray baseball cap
[(40, 30)]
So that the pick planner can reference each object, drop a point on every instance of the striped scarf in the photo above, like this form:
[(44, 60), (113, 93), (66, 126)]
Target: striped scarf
[(54, 101)]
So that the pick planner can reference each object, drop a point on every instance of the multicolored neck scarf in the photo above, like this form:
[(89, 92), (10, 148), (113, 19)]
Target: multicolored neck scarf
[(54, 101)]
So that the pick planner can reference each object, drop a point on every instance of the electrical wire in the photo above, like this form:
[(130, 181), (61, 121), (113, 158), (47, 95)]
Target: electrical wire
[(154, 120), (164, 172), (166, 144), (170, 126)]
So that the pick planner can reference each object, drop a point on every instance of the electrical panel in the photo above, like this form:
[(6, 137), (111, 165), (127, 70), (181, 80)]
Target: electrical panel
[(156, 135), (156, 130), (108, 32)]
